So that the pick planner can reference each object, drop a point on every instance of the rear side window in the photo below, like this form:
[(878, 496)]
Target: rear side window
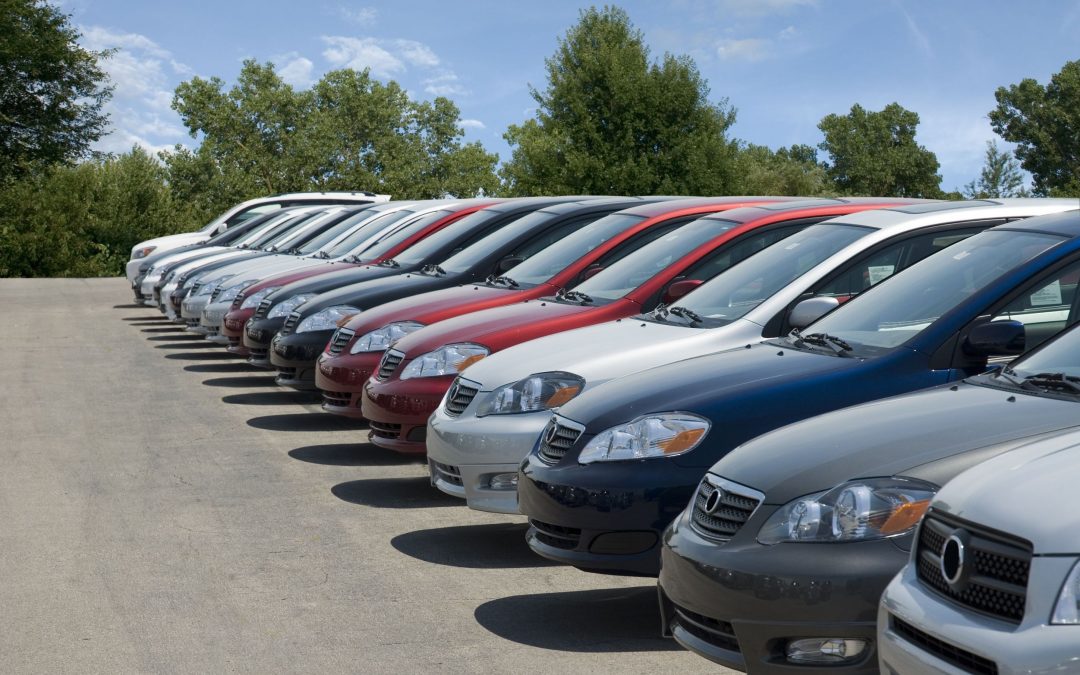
[(1045, 307), (728, 256)]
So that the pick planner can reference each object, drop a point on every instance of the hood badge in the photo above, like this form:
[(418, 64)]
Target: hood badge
[(953, 560), (712, 502)]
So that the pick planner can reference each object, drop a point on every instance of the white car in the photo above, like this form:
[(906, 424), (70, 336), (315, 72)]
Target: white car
[(472, 455), (238, 214)]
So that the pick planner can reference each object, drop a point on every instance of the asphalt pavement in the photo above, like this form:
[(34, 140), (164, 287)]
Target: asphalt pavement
[(165, 508)]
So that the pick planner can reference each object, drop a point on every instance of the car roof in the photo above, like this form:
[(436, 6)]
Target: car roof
[(1065, 223), (536, 203), (922, 215)]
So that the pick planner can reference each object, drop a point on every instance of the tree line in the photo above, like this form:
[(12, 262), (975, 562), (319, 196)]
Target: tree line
[(611, 119)]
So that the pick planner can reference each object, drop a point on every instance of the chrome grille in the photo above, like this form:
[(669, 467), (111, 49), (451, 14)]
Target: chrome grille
[(389, 363), (290, 323), (996, 581), (714, 631), (448, 473), (195, 288), (264, 308), (216, 293), (557, 439), (721, 507), (340, 339), (337, 399), (385, 430), (460, 396), (238, 300)]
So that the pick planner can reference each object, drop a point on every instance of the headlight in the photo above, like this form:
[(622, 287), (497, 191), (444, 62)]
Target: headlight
[(542, 391), (286, 307), (254, 300), (379, 340), (229, 293), (209, 287), (327, 318), (143, 252), (655, 435), (1067, 609), (446, 360), (874, 508)]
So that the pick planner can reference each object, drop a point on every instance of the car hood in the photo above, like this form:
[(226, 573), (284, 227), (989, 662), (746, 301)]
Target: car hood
[(335, 279), (311, 269), (1027, 492), (913, 435), (188, 255), (434, 306), (629, 346), (259, 268), (173, 240), (500, 327), (374, 292)]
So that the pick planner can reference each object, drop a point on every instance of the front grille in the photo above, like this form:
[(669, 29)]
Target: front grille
[(174, 301), (195, 288), (264, 308), (237, 301), (557, 536), (337, 399), (191, 323), (460, 396), (714, 631), (234, 342), (998, 566), (216, 293), (389, 363), (212, 331), (448, 473), (340, 339), (729, 510), (288, 373), (290, 323), (258, 354), (383, 430), (557, 439), (961, 658)]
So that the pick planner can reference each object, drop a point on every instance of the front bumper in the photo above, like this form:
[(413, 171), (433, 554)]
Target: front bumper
[(739, 603), (232, 327), (212, 317), (341, 378), (478, 449), (920, 632), (191, 312), (294, 357), (604, 517), (398, 410), (258, 334)]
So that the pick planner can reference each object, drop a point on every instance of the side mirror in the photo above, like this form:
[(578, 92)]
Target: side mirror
[(995, 338), (221, 228), (680, 288), (508, 263), (811, 309), (592, 272)]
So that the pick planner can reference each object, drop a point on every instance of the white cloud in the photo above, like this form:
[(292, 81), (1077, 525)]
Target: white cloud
[(473, 124), (295, 69), (360, 53), (365, 16), (445, 84), (917, 33), (417, 53), (749, 49), (98, 38)]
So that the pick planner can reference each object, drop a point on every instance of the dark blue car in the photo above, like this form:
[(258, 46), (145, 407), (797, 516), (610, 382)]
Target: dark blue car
[(621, 461)]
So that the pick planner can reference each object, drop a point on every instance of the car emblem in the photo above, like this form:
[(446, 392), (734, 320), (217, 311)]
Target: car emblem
[(952, 558), (712, 502), (454, 388), (549, 434)]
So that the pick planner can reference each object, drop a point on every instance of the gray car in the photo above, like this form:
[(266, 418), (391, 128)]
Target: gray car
[(1004, 535)]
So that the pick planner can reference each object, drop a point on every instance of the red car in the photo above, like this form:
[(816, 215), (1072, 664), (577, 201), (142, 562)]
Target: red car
[(397, 238), (356, 348), (415, 373)]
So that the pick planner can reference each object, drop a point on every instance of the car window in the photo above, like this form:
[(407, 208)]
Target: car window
[(461, 234), (1045, 307), (557, 257)]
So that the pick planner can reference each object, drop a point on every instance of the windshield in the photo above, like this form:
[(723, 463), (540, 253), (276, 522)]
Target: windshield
[(732, 294), (289, 229), (309, 229), (468, 227), (641, 265), (381, 247), (378, 225), (894, 312), (557, 257), (1060, 356), (267, 227), (279, 227), (336, 230), (238, 232), (474, 253)]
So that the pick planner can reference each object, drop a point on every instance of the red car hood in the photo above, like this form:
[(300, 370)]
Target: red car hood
[(504, 327), (296, 275), (435, 306)]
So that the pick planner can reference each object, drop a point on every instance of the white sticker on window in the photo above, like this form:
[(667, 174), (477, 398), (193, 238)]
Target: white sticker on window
[(1049, 295), (961, 255), (880, 272)]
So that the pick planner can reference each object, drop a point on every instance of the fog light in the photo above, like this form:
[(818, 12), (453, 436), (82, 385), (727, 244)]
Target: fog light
[(825, 650), (503, 481)]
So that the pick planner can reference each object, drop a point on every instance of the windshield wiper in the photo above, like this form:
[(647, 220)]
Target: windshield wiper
[(432, 270), (389, 262), (322, 255), (1059, 381), (690, 315), (493, 280), (838, 346), (574, 296)]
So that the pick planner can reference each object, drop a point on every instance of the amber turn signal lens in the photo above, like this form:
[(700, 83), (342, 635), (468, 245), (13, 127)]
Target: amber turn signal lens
[(905, 517), (684, 440)]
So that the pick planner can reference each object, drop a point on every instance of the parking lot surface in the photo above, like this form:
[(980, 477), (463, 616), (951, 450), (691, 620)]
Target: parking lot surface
[(166, 508)]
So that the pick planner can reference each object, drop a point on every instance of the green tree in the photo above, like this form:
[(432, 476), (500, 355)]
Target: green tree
[(1000, 176), (51, 89), (610, 121), (875, 154), (1044, 122), (788, 171), (348, 132)]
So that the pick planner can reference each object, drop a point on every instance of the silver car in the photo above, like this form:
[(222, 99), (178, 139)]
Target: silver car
[(476, 457), (993, 585)]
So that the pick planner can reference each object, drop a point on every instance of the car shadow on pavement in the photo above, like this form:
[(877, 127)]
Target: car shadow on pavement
[(168, 329), (604, 620), (131, 306), (352, 454), (278, 397), (317, 421), (149, 317), (220, 355), (252, 380), (187, 337), (234, 367), (394, 493), (495, 546), (190, 345), (140, 324)]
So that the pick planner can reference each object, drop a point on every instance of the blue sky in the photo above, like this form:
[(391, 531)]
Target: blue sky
[(783, 64)]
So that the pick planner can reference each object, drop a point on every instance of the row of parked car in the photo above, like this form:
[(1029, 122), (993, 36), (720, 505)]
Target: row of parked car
[(841, 432)]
